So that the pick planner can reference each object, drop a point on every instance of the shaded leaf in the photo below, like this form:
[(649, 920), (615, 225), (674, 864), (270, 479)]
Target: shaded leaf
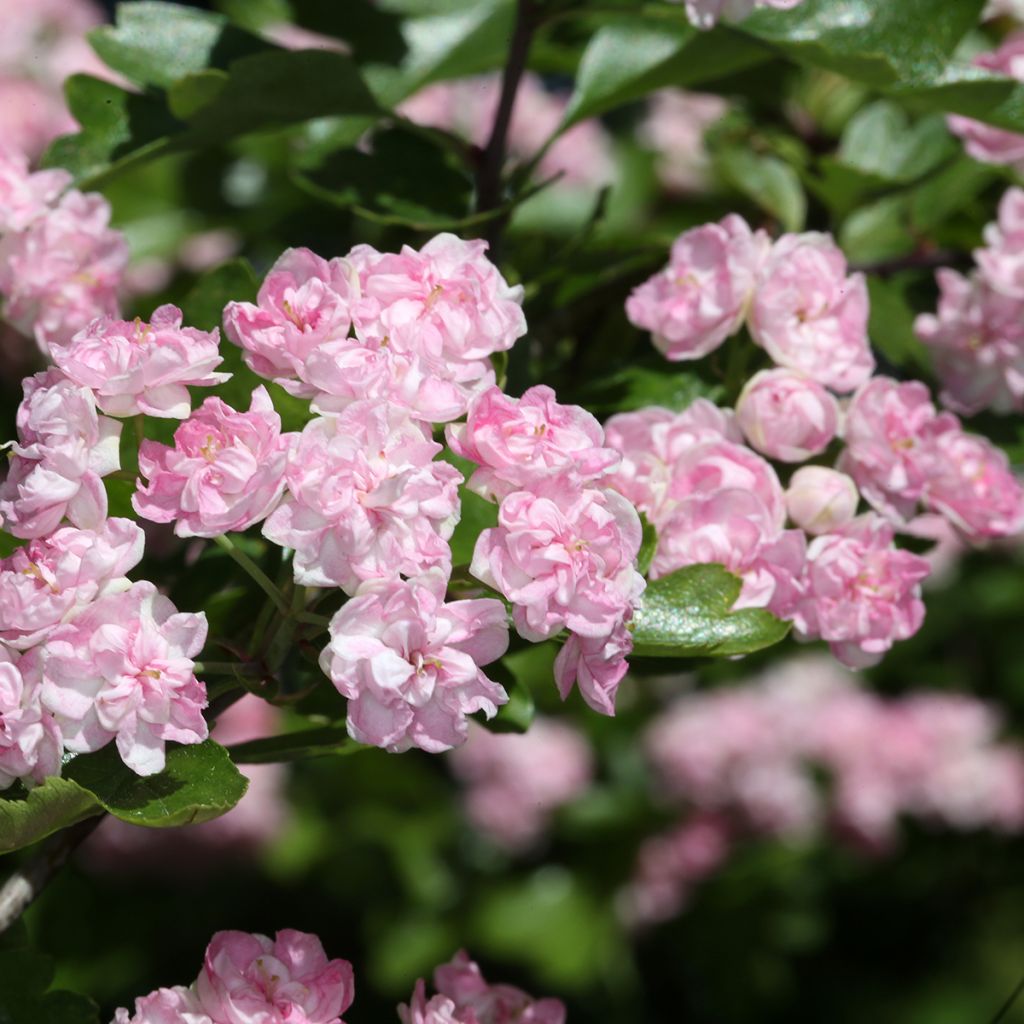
[(689, 614), (768, 181), (477, 515), (31, 816)]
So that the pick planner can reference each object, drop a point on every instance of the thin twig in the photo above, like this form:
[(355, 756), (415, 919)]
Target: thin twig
[(1008, 1005), (262, 580)]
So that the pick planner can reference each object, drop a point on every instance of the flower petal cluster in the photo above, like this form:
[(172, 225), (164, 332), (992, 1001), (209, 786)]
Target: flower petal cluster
[(177, 1005), (410, 663), (465, 997), (136, 368), (861, 593), (123, 670), (366, 499), (30, 742), (25, 196), (225, 472), (51, 579), (64, 447)]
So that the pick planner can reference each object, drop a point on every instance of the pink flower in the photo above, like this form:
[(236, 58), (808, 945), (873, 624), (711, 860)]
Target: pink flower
[(24, 196), (224, 473), (787, 416), (565, 560), (62, 272), (30, 742), (734, 528), (514, 784), (705, 13), (409, 663), (520, 443), (650, 442), (810, 316), (366, 500), (176, 1005), (890, 430), (596, 665), (977, 341), (123, 669), (302, 304), (52, 579), (701, 297), (819, 500), (982, 141), (64, 449), (1002, 260), (465, 997), (133, 367), (973, 486), (674, 128), (252, 979), (862, 594)]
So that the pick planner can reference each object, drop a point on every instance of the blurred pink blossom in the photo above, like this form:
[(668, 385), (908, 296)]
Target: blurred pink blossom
[(674, 128)]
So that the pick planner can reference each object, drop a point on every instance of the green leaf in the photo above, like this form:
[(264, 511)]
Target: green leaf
[(517, 714), (688, 614), (891, 327), (159, 43), (878, 231), (190, 94), (768, 181), (478, 515), (203, 306), (56, 804), (648, 546), (198, 783), (636, 387), (296, 746)]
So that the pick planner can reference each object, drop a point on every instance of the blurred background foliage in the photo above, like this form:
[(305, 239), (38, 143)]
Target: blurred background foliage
[(843, 133)]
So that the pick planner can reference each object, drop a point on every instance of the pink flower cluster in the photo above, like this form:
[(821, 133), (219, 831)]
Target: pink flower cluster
[(464, 997), (60, 261), (743, 761), (425, 325), (795, 296), (253, 979), (582, 155), (976, 335), (515, 783), (565, 548), (706, 13)]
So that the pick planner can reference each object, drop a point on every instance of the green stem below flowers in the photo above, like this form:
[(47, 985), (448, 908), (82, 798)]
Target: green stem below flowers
[(260, 578)]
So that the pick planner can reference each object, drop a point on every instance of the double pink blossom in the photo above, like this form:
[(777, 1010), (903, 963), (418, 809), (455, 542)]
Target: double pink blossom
[(810, 315), (137, 368), (224, 473), (1001, 260), (178, 1005), (520, 443), (410, 663), (50, 580), (30, 742), (464, 997), (982, 141), (596, 665), (565, 559), (64, 448), (366, 499), (861, 593), (248, 978), (123, 669), (786, 415), (63, 270), (25, 196), (700, 298)]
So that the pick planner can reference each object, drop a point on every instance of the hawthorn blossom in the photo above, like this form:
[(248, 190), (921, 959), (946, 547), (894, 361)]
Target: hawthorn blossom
[(596, 665), (30, 742), (705, 13), (786, 416), (123, 670), (985, 142), (225, 472), (410, 663), (64, 448), (303, 303), (250, 977), (465, 997), (861, 593), (818, 499), (51, 579), (137, 368), (366, 500), (25, 196), (700, 298), (519, 443), (809, 315), (63, 270), (565, 559), (176, 1005), (1001, 260), (674, 128), (515, 783)]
